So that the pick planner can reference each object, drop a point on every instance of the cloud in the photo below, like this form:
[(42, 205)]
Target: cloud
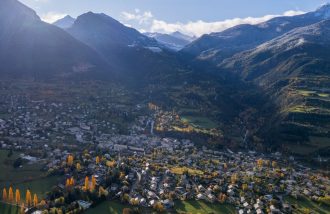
[(141, 18), (200, 27), (196, 28), (51, 17)]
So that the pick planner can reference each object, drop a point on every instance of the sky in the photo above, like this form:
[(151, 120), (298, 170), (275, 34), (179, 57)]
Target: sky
[(192, 17)]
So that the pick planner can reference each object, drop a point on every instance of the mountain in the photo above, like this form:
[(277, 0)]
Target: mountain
[(32, 49), (65, 22), (175, 41), (133, 54), (216, 47), (293, 69), (97, 29), (179, 35)]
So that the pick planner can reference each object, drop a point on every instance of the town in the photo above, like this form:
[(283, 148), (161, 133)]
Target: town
[(99, 160)]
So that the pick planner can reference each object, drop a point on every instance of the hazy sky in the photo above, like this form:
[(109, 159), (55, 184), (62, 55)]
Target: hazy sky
[(189, 16)]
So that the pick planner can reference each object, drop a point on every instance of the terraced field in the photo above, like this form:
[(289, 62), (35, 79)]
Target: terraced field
[(306, 127)]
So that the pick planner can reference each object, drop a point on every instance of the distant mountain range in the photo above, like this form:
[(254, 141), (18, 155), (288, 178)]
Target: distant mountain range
[(132, 54), (65, 22), (216, 47), (175, 41), (276, 71), (32, 49)]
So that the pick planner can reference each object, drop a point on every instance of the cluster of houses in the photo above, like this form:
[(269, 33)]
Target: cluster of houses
[(163, 170), (152, 170)]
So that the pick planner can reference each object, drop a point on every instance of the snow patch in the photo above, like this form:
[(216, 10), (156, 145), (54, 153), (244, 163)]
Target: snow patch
[(155, 49)]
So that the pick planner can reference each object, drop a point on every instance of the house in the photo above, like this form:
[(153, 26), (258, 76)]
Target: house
[(274, 210), (211, 198), (168, 204), (84, 204), (200, 197)]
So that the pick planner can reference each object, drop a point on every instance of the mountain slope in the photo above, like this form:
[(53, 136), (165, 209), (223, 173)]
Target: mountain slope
[(295, 70), (219, 46), (104, 29), (65, 22), (175, 41), (134, 55), (32, 49)]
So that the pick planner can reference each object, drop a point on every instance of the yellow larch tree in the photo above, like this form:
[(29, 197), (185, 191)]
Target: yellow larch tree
[(70, 160), (97, 160), (86, 183), (11, 195), (93, 184), (35, 200), (234, 178), (67, 182), (4, 194), (78, 166), (260, 163), (71, 182), (274, 164), (17, 196), (28, 198)]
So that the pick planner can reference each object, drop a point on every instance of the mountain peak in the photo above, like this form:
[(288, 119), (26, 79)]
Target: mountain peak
[(324, 11), (65, 22)]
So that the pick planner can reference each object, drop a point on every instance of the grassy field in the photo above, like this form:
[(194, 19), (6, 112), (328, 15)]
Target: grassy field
[(200, 122), (191, 207), (314, 144), (10, 175), (181, 170), (7, 209), (109, 207), (305, 205), (27, 177), (200, 207), (40, 187)]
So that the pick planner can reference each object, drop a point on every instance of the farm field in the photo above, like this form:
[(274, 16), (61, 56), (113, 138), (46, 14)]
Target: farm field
[(27, 177), (305, 205), (188, 207)]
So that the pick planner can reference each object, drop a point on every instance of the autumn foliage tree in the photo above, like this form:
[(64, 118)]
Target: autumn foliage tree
[(97, 160), (70, 160), (11, 195), (234, 178), (86, 186), (17, 196), (93, 184), (35, 200), (78, 166), (4, 194), (28, 198), (260, 163), (159, 207), (69, 182)]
